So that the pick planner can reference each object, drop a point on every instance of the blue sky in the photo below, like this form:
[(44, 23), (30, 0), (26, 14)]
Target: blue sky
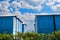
[(28, 8)]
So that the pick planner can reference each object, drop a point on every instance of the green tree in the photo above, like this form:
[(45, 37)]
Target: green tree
[(1, 37), (32, 36), (5, 36), (27, 36), (11, 36), (43, 36), (19, 35), (57, 34), (53, 37), (36, 36), (49, 36)]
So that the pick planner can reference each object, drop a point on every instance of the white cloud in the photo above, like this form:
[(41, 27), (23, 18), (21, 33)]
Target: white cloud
[(50, 3), (28, 18), (5, 4), (58, 1), (25, 5), (37, 2), (15, 5), (29, 4), (56, 7), (39, 7), (4, 7)]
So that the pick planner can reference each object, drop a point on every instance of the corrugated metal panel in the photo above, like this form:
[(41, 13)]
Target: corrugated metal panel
[(45, 24), (57, 22), (6, 24)]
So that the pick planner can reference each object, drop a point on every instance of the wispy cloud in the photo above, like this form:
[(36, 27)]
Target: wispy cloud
[(25, 5), (52, 4), (37, 4), (56, 7), (29, 18), (4, 7)]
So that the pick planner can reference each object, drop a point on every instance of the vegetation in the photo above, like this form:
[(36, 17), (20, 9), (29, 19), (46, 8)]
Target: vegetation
[(31, 36)]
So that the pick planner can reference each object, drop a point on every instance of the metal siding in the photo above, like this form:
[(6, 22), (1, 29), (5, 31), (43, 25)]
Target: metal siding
[(6, 25), (17, 26), (20, 26), (45, 24), (14, 25), (57, 21)]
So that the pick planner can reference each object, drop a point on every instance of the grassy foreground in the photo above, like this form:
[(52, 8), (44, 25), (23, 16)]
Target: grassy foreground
[(31, 36)]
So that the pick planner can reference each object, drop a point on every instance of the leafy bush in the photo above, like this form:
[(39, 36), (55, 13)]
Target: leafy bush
[(31, 36), (57, 35)]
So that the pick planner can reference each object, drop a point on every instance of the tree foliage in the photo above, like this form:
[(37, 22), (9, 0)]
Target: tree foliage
[(31, 36)]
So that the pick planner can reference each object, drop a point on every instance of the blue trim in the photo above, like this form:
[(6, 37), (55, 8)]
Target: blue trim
[(22, 28)]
